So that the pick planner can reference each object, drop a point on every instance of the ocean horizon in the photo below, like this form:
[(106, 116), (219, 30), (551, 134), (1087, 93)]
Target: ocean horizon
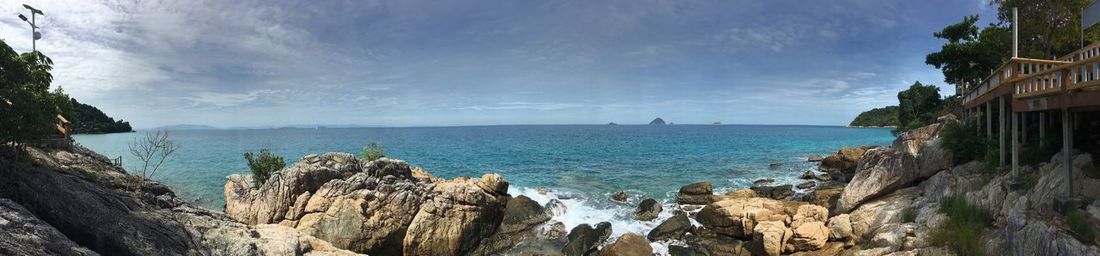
[(579, 164)]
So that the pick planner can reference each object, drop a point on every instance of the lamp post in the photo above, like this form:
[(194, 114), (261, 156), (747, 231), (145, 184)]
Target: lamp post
[(34, 28)]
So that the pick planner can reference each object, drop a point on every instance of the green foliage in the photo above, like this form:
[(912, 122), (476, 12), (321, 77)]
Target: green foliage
[(970, 56), (1048, 28), (1080, 226), (963, 141), (962, 231), (909, 215), (372, 151), (28, 109), (992, 155), (886, 116), (90, 119), (1027, 180), (918, 106), (264, 165)]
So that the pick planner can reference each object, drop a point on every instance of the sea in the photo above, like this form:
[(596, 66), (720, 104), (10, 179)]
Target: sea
[(582, 165)]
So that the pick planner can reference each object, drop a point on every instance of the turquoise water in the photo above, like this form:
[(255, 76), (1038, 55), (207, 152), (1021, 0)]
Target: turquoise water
[(579, 161), (594, 159)]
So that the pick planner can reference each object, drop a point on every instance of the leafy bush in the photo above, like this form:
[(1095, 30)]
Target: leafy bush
[(962, 232), (1080, 226), (263, 166), (918, 106), (964, 143), (372, 151), (28, 109)]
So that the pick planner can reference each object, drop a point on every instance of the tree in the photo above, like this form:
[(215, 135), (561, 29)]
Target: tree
[(918, 106), (263, 166), (1048, 28), (968, 57), (28, 110), (881, 117), (152, 150), (372, 151)]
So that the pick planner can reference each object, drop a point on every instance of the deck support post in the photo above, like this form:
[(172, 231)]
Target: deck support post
[(1003, 121), (989, 120), (1042, 128), (1016, 121), (1067, 146)]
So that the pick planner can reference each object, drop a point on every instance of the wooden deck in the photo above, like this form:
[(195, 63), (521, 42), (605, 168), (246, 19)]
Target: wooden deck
[(1036, 84)]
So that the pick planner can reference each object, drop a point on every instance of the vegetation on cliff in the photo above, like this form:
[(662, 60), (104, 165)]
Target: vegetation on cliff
[(962, 232), (879, 117), (90, 119), (28, 109), (264, 165)]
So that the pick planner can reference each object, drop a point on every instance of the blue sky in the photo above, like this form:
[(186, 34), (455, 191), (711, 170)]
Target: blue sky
[(429, 63)]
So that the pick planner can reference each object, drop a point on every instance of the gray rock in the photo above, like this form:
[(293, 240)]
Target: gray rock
[(880, 172), (583, 239), (774, 192), (21, 233), (672, 228), (648, 209)]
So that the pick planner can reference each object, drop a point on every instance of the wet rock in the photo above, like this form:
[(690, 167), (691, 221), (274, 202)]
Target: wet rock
[(814, 158), (672, 228), (762, 182), (696, 193), (584, 239), (553, 231), (774, 192), (619, 196), (709, 243), (555, 207), (775, 166), (807, 185), (521, 215), (648, 209), (629, 244), (808, 175)]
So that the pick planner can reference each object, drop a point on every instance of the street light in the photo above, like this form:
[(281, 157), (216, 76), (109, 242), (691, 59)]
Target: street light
[(34, 28)]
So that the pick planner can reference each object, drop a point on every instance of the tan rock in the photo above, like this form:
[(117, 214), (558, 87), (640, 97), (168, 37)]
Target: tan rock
[(808, 237), (840, 228), (738, 217), (629, 244), (809, 213), (771, 236), (880, 172), (460, 213)]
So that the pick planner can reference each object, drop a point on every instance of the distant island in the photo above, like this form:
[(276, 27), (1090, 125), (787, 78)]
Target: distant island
[(90, 120), (657, 121), (878, 117)]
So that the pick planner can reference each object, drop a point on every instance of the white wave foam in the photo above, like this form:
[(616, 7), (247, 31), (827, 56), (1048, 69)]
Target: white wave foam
[(584, 209)]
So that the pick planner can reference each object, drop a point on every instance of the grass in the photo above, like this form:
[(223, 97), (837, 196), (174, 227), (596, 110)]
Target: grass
[(1080, 226), (909, 215), (962, 232)]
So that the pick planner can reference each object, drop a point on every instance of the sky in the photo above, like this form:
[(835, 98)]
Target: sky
[(442, 63)]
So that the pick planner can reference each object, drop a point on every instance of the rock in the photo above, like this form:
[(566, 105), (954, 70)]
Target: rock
[(648, 209), (880, 172), (771, 236), (762, 182), (672, 228), (657, 121), (913, 141), (880, 214), (824, 177), (629, 244), (933, 158), (708, 243), (774, 192), (775, 166), (460, 214), (737, 217), (840, 228), (808, 237), (844, 160), (555, 207), (553, 231), (619, 196), (270, 202), (521, 215), (808, 175), (814, 158), (809, 213), (583, 239), (806, 185), (696, 193), (826, 197), (21, 233), (543, 190)]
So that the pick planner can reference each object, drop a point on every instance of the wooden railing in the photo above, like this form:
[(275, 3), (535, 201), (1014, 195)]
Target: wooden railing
[(1080, 74), (1011, 73)]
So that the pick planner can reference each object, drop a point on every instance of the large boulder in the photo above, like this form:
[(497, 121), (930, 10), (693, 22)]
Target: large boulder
[(737, 217), (270, 202), (648, 209), (771, 236), (584, 239), (880, 172), (521, 216), (809, 213), (808, 237), (629, 244), (673, 228), (459, 214), (913, 141), (774, 192), (696, 193), (21, 233), (843, 162)]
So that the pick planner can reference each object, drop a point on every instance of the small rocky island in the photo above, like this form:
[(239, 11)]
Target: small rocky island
[(657, 121)]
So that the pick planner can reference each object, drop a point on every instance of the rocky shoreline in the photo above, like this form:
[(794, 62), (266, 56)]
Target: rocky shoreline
[(864, 201)]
